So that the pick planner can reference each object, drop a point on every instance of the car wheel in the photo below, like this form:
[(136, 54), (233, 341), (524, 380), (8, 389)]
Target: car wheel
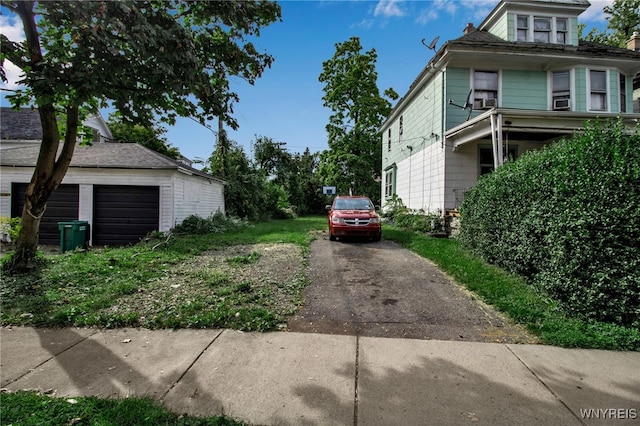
[(377, 238), (332, 237)]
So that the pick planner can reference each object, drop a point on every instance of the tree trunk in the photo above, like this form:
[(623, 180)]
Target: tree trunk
[(50, 169)]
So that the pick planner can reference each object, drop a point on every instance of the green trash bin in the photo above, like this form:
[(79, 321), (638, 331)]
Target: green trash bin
[(73, 234)]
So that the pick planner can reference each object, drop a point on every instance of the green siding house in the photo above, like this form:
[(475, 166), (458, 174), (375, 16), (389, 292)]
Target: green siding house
[(517, 82)]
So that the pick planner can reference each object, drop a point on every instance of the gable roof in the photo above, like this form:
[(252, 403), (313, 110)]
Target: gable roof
[(20, 124), (105, 155)]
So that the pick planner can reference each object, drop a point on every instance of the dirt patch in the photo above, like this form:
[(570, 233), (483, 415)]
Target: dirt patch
[(275, 272)]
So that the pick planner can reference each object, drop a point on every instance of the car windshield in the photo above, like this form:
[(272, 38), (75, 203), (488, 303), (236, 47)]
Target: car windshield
[(353, 204)]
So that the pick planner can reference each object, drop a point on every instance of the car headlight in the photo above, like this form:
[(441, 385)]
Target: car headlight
[(375, 220), (336, 219)]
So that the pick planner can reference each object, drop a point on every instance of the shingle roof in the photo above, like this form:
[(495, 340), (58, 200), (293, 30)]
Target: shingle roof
[(102, 155), (22, 124), (484, 41)]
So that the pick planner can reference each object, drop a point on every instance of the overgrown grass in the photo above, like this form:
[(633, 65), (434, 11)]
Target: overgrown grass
[(158, 285), (30, 408), (513, 296)]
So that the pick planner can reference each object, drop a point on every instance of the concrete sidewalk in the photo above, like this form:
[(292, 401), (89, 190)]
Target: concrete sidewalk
[(293, 378)]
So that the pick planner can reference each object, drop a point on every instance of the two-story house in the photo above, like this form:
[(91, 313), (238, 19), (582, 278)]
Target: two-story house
[(521, 80)]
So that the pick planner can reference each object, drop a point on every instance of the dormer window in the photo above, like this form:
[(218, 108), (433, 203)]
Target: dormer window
[(523, 27), (562, 31), (542, 29)]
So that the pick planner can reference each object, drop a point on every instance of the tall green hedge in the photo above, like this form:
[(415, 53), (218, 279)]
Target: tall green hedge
[(568, 218)]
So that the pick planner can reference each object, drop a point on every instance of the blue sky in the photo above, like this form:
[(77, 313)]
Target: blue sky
[(286, 103)]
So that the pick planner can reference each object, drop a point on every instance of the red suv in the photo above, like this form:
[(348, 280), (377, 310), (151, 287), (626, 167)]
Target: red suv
[(353, 216)]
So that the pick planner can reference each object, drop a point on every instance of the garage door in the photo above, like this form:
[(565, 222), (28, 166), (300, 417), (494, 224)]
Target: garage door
[(124, 214), (61, 207)]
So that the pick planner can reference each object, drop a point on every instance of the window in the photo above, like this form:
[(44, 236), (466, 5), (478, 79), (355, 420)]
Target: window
[(486, 158), (485, 88), (541, 30), (623, 93), (562, 30), (388, 184), (389, 140), (400, 131), (523, 27), (598, 84), (561, 90)]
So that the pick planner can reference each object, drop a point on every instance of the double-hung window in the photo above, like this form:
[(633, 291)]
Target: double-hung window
[(523, 27), (562, 31), (541, 29), (598, 90), (388, 184), (561, 90), (485, 89)]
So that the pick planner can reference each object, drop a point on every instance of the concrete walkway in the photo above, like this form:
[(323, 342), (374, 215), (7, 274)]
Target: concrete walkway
[(315, 379)]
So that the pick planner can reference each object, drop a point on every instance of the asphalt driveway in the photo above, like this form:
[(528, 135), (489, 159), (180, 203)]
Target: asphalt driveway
[(380, 289)]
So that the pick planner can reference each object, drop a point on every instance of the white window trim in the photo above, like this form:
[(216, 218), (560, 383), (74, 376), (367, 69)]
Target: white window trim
[(554, 27), (472, 84), (608, 88), (572, 89)]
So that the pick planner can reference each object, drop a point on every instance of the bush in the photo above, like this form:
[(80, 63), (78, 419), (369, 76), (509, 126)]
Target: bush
[(567, 217), (215, 224), (412, 220), (10, 228)]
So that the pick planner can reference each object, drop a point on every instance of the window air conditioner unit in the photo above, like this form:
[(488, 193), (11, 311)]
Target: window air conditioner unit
[(559, 104), (489, 103)]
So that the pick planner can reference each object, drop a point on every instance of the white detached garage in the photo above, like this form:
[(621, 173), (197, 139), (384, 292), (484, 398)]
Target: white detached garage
[(124, 191)]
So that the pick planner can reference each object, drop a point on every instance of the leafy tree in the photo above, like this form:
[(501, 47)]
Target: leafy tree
[(151, 137), (623, 20), (295, 173), (147, 58), (243, 187), (353, 160)]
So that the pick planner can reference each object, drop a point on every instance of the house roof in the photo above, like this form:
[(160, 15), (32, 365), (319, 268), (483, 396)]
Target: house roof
[(477, 44), (104, 155), (20, 124)]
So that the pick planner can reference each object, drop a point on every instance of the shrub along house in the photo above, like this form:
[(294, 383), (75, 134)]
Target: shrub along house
[(124, 191), (519, 81)]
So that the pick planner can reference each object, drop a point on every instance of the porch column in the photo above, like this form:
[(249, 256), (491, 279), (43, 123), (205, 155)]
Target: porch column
[(496, 140)]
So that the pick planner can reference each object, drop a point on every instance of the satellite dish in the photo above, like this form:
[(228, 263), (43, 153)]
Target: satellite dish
[(432, 45), (467, 104)]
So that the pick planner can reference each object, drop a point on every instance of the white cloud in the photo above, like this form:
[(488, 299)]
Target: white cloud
[(595, 12), (388, 9), (11, 27)]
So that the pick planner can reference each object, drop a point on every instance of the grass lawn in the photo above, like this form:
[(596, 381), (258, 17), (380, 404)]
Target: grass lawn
[(511, 295), (93, 289), (249, 278), (223, 281), (30, 408)]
